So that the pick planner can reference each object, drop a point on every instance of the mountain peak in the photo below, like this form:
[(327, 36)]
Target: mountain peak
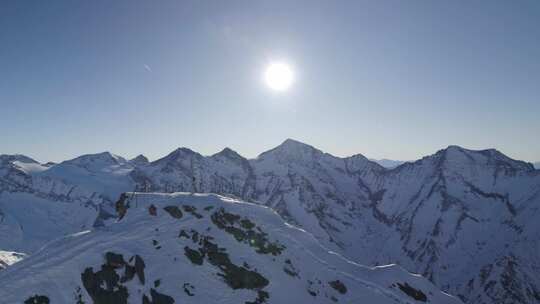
[(10, 158), (139, 160), (179, 154), (454, 148), (98, 162), (101, 157), (454, 155), (289, 142), (292, 149), (295, 146), (182, 151), (228, 153)]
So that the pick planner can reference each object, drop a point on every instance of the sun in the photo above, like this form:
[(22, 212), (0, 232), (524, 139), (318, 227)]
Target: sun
[(279, 76)]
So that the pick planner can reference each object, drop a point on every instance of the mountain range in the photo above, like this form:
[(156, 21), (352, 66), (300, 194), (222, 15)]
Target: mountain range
[(464, 219)]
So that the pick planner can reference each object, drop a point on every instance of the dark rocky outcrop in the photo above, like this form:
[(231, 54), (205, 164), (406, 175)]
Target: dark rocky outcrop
[(174, 211), (339, 286), (139, 268), (121, 206), (193, 255), (192, 210), (290, 269), (105, 286), (412, 292), (157, 298), (152, 210), (37, 299), (237, 277), (246, 232), (188, 289)]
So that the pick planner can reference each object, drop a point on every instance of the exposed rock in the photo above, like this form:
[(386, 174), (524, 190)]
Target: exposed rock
[(157, 298), (152, 210), (339, 286), (192, 210), (104, 286), (243, 231), (188, 289), (37, 300), (173, 211), (412, 292)]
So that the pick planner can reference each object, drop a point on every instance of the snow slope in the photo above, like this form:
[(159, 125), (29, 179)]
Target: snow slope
[(197, 248)]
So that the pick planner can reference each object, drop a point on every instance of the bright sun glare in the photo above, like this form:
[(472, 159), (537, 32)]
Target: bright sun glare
[(278, 76)]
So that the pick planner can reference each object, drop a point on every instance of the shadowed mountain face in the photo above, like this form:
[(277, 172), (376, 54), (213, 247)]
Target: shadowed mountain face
[(464, 219)]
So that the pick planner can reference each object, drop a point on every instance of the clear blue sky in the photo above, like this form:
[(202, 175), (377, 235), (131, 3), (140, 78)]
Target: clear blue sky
[(395, 79)]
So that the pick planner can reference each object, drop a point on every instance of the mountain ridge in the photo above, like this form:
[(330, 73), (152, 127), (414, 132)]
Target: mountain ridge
[(420, 214)]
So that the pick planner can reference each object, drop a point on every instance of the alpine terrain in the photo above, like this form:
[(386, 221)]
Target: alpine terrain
[(465, 220), (197, 248)]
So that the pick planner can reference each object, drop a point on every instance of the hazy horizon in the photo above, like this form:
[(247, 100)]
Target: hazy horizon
[(386, 79)]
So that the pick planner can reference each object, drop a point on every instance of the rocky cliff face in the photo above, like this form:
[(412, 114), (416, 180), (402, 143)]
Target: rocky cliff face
[(464, 219)]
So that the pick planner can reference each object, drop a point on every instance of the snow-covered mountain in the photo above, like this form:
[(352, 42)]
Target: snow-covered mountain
[(464, 219), (387, 163), (140, 160), (192, 248), (537, 165), (40, 203)]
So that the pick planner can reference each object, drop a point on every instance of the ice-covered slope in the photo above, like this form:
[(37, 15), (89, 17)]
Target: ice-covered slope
[(183, 248)]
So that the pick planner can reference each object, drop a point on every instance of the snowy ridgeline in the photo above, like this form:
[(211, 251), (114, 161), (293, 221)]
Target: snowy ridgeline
[(466, 220), (185, 248)]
